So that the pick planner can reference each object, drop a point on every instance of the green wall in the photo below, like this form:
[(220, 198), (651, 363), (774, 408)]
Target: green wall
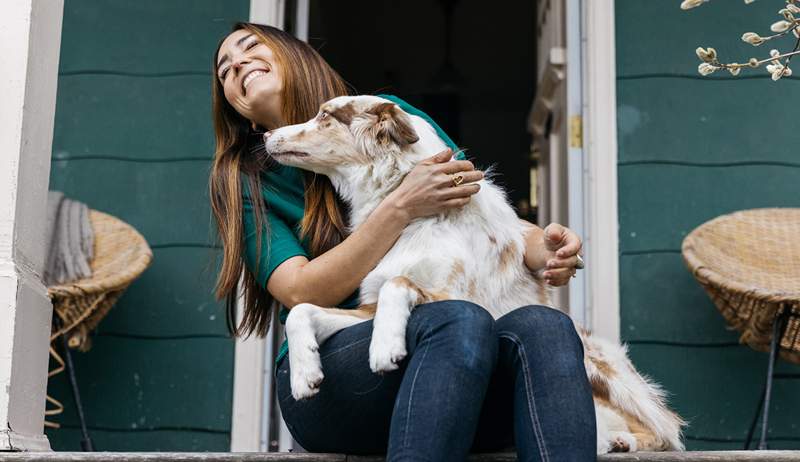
[(133, 138), (692, 148)]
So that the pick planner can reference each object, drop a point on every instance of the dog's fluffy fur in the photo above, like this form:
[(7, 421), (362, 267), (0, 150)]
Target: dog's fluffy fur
[(366, 145)]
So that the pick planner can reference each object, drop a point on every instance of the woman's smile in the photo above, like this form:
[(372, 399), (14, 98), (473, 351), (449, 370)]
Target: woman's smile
[(252, 75)]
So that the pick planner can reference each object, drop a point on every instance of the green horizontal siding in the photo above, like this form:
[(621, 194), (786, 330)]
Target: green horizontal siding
[(691, 149), (133, 138)]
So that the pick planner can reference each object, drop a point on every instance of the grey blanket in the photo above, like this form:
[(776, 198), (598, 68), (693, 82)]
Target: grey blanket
[(71, 245)]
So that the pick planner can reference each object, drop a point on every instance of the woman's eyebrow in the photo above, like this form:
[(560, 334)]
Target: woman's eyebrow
[(238, 44)]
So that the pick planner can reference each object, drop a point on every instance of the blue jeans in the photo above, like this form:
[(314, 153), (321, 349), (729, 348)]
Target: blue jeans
[(469, 383)]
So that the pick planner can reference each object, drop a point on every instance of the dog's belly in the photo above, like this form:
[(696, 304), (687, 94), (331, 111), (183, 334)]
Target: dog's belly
[(460, 263)]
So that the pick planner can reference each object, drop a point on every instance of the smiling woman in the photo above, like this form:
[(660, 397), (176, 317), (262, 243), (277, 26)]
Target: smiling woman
[(284, 231)]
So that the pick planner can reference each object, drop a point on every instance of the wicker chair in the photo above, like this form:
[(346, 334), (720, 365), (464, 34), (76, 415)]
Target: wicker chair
[(749, 264), (121, 254)]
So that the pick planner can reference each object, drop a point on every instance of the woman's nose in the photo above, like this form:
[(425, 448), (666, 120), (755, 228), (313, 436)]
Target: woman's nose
[(238, 64)]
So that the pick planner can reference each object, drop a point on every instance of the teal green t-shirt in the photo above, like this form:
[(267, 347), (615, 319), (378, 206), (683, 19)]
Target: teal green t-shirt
[(282, 190)]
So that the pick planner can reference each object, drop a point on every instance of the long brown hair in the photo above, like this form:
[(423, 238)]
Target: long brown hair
[(308, 82)]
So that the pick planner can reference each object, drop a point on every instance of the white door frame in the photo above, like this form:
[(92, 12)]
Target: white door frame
[(600, 144), (254, 357), (30, 42)]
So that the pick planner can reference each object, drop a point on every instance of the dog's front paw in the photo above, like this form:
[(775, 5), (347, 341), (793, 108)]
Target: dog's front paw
[(386, 352), (306, 369), (622, 442)]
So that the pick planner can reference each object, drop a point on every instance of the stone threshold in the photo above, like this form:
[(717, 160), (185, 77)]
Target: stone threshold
[(704, 456)]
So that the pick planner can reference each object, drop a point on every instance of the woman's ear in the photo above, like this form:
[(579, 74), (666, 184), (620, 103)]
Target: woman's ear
[(392, 124)]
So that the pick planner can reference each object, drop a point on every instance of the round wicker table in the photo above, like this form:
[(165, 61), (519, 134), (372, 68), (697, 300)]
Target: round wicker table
[(749, 264)]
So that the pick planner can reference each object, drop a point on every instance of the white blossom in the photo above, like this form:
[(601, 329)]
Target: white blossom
[(689, 4), (706, 55), (778, 71), (734, 69), (705, 68), (775, 54), (780, 26), (793, 8), (752, 38)]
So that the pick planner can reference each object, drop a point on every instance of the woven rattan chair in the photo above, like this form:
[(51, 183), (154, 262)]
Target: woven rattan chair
[(749, 264), (121, 254)]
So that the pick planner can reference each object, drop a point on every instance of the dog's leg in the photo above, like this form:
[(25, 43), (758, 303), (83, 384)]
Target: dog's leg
[(307, 327), (396, 299)]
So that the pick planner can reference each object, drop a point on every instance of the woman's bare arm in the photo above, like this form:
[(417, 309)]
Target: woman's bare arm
[(330, 278)]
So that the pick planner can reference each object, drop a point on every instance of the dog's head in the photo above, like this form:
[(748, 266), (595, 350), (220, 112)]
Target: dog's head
[(348, 131)]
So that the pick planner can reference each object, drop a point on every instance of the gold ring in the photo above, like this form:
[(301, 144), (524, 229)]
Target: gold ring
[(457, 179)]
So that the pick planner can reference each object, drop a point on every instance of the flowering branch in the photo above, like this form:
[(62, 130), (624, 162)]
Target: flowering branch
[(776, 67)]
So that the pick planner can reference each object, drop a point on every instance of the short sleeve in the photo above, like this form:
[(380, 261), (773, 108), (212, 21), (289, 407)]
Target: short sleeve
[(278, 243), (404, 105)]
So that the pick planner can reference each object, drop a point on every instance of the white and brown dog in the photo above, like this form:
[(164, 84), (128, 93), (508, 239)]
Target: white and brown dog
[(366, 145)]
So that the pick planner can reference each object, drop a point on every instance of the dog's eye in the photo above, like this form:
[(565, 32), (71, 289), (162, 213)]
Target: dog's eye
[(323, 116)]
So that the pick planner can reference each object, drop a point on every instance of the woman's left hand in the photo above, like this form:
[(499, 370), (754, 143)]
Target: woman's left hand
[(554, 250)]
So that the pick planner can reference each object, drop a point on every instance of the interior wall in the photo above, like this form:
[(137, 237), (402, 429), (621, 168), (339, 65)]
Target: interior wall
[(690, 149), (481, 100)]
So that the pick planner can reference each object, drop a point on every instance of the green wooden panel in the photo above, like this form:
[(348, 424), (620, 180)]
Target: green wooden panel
[(133, 117), (705, 121), (68, 439), (172, 298), (663, 302), (660, 204), (134, 85), (656, 36), (145, 36), (166, 202), (717, 390), (133, 384)]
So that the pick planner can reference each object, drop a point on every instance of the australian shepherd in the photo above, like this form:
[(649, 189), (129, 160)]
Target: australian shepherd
[(366, 145)]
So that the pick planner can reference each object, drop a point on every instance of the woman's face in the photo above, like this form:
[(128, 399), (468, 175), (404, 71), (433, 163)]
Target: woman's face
[(251, 78)]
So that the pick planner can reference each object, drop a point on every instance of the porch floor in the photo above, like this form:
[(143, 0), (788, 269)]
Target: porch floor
[(706, 456)]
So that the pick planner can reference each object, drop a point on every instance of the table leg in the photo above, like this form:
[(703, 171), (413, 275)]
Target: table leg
[(778, 328)]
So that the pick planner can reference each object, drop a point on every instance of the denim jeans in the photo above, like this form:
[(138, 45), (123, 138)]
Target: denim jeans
[(469, 383)]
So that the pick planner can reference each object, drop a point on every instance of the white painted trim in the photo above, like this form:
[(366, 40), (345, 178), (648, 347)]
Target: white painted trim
[(301, 19), (600, 141), (269, 12), (253, 357), (30, 40)]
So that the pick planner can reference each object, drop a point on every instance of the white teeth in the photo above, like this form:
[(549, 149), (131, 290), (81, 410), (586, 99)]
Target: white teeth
[(251, 76)]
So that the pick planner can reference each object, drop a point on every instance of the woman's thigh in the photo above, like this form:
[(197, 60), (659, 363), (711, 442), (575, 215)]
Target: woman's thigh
[(353, 409)]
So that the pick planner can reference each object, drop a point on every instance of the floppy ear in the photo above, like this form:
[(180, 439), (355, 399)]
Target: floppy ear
[(392, 125)]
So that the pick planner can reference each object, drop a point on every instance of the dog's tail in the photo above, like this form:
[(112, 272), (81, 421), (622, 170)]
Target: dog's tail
[(614, 378)]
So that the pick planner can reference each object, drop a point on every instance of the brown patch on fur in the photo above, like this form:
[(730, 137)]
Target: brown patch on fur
[(456, 273), (472, 289), (423, 296), (599, 387), (393, 124), (646, 439), (364, 311), (508, 256), (344, 114)]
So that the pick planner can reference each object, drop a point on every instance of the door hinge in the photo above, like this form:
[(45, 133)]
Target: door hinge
[(576, 131)]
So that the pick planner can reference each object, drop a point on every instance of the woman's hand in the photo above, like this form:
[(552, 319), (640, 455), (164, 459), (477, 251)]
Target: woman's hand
[(428, 189), (555, 250)]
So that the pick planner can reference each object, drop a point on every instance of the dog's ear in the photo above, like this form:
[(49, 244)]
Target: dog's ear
[(392, 124)]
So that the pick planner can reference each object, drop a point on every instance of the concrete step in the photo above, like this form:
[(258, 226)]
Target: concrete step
[(709, 456)]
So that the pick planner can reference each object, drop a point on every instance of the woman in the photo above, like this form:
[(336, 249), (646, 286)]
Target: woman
[(468, 382)]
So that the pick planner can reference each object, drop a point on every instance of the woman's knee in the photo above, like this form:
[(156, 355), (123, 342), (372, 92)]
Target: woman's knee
[(466, 329), (543, 326)]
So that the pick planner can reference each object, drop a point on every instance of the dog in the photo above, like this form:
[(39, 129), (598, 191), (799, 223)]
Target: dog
[(366, 145)]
